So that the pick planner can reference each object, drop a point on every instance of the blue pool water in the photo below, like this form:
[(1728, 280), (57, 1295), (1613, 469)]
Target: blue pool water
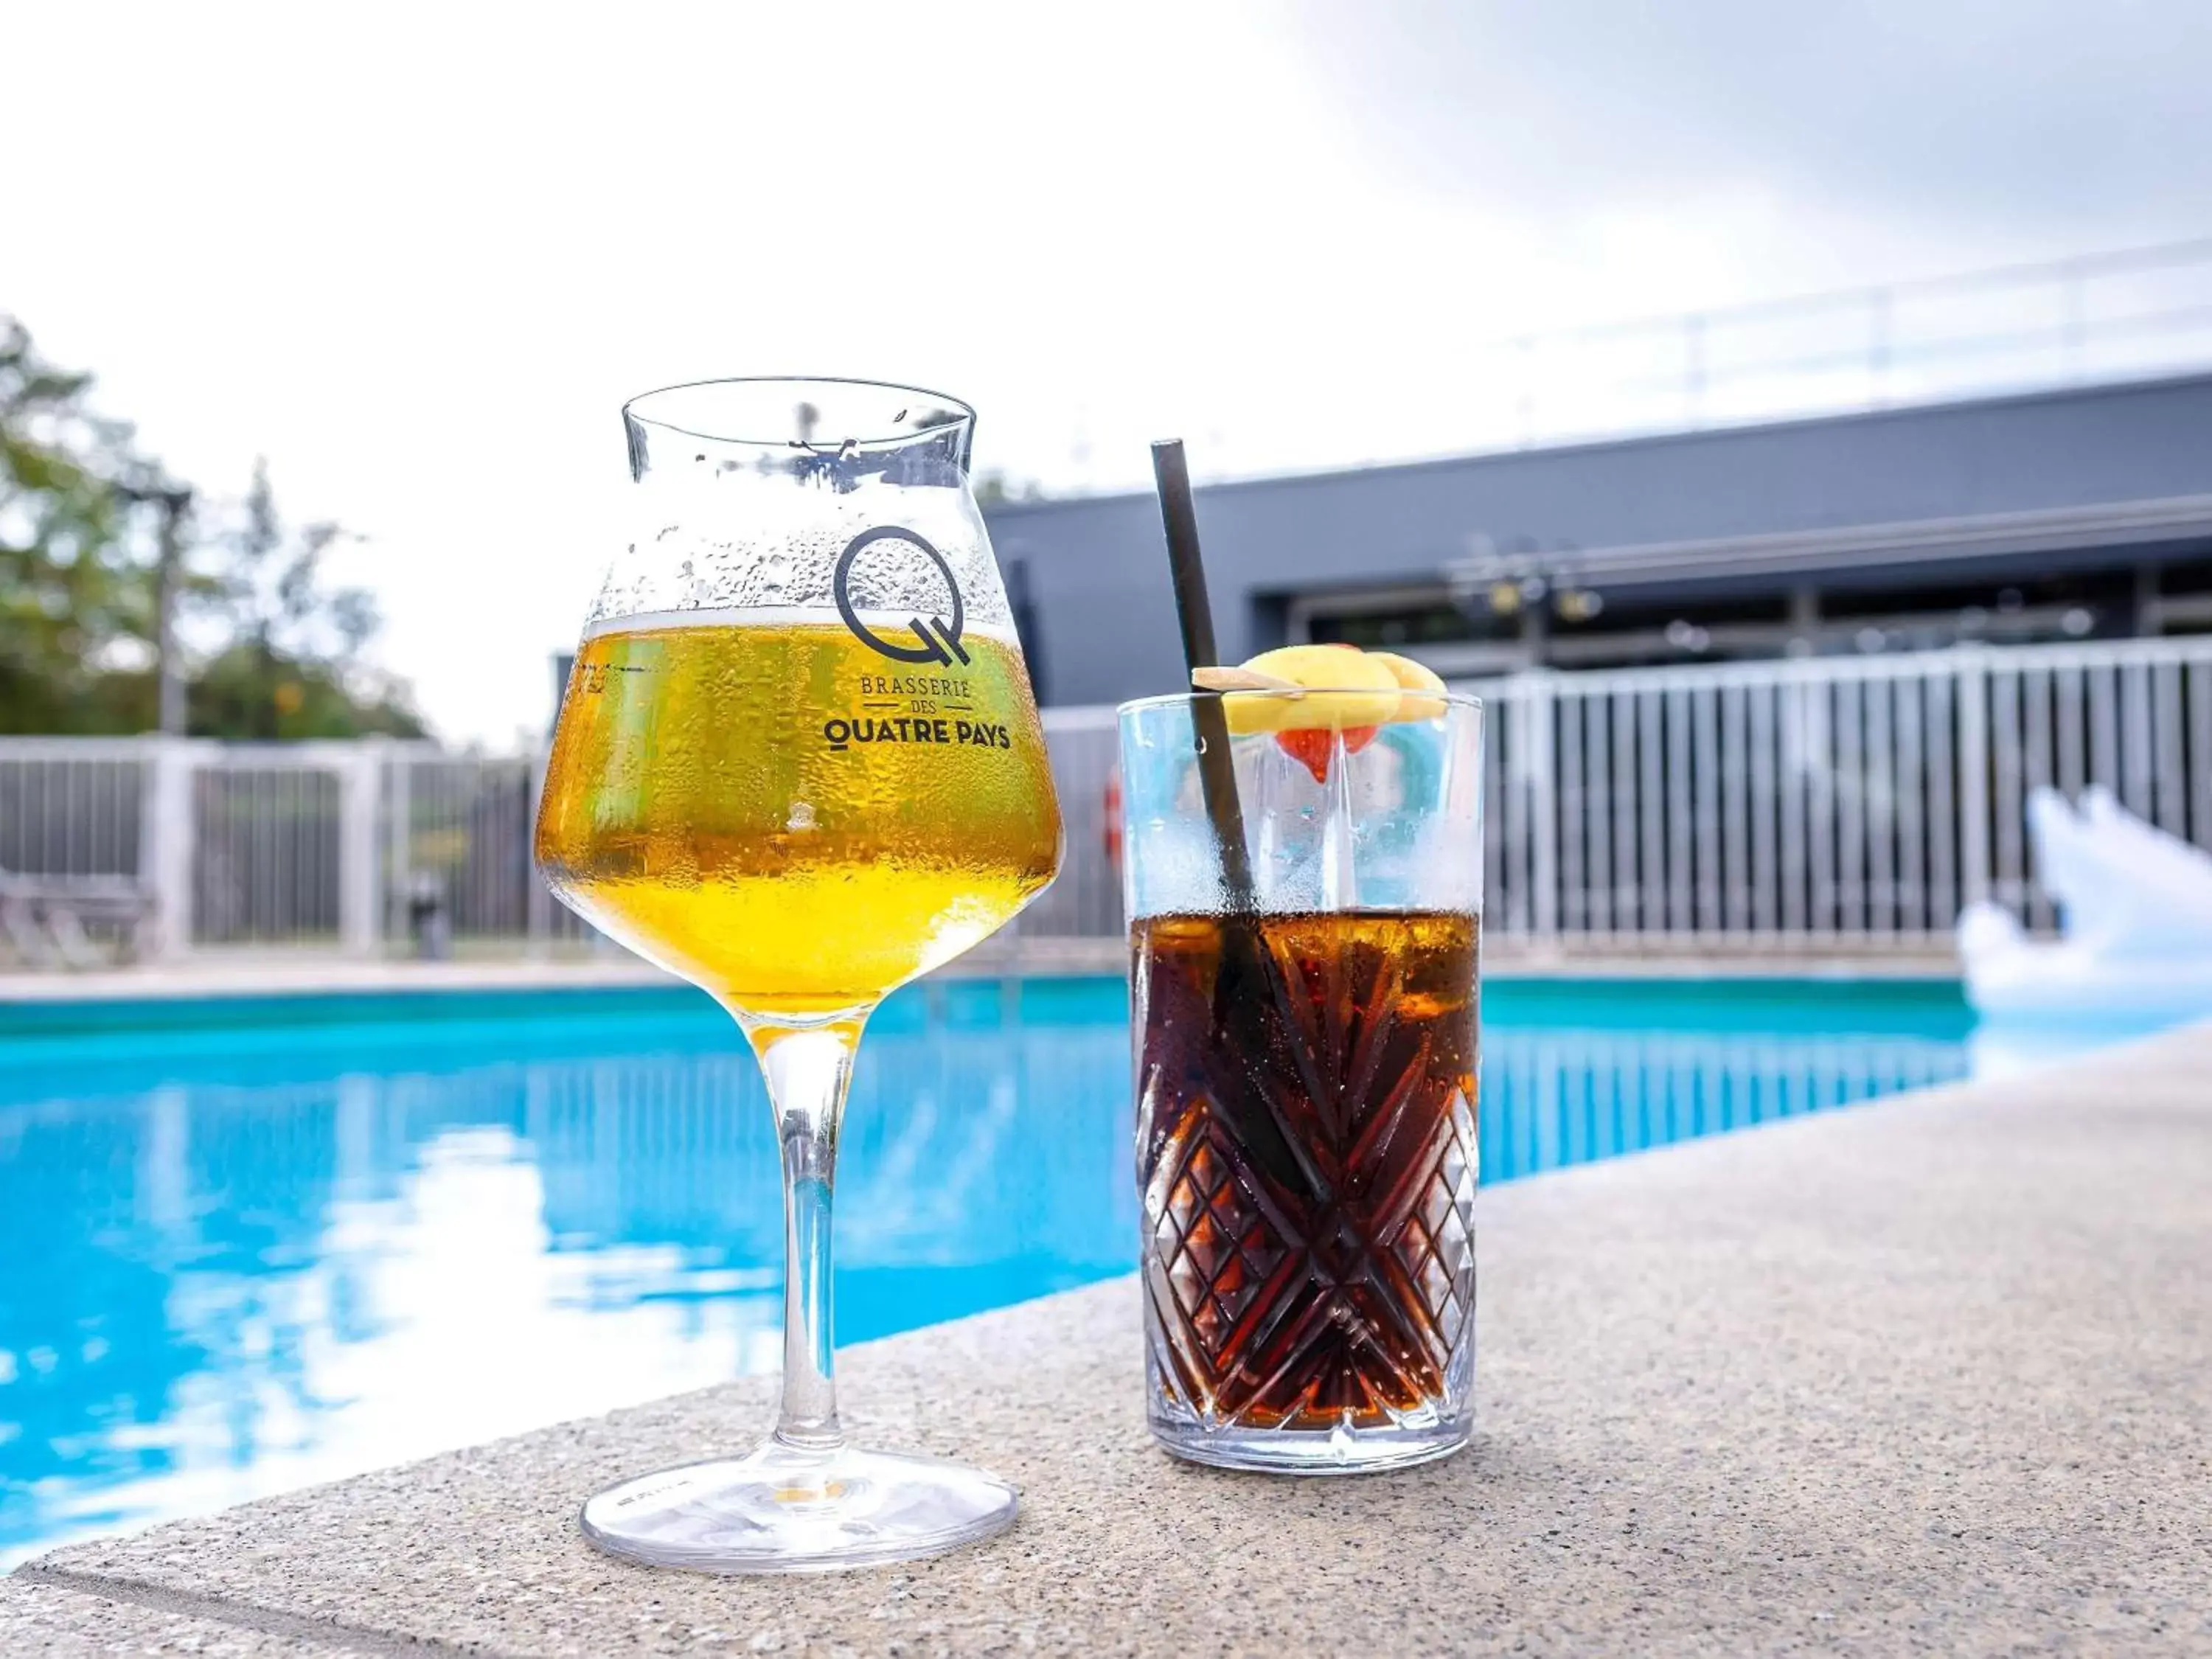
[(251, 1245)]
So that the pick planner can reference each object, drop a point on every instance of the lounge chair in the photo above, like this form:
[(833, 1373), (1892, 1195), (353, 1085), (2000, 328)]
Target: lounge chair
[(44, 918)]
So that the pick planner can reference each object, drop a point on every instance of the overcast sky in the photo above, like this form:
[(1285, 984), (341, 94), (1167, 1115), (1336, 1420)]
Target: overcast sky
[(418, 257)]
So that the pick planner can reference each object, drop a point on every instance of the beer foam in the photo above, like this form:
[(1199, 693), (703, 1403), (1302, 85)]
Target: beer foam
[(890, 623)]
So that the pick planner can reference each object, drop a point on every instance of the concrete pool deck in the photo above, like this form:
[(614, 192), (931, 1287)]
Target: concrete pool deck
[(265, 974), (1933, 1373)]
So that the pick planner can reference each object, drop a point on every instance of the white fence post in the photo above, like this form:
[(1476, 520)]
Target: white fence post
[(168, 831), (1971, 668), (399, 839), (360, 899), (1538, 705)]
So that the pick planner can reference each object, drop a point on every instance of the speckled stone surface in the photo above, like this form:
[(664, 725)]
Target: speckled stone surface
[(1932, 1374), (63, 1624)]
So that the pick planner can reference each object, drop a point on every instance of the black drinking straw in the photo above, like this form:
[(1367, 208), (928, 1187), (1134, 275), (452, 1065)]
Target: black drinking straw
[(1249, 998), (1216, 772)]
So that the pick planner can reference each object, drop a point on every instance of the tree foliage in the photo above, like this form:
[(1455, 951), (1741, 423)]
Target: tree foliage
[(995, 488), (290, 667), (270, 648), (68, 594)]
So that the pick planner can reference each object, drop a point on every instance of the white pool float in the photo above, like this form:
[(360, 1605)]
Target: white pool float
[(2136, 918)]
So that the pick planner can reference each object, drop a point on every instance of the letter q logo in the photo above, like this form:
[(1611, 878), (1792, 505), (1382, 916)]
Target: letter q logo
[(939, 639)]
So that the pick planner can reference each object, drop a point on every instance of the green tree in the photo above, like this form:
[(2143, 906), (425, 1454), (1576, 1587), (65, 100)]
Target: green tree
[(290, 663), (995, 489), (273, 651), (74, 605)]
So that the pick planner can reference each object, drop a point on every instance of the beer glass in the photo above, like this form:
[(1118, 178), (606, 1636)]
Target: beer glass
[(797, 763), (1305, 1017)]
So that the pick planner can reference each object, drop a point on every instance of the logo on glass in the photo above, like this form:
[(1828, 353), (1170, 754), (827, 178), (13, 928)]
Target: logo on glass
[(939, 640)]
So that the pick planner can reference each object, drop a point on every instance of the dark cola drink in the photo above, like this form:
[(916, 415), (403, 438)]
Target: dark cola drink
[(1306, 1100)]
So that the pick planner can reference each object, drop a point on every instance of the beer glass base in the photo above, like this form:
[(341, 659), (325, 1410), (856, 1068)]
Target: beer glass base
[(1314, 1451), (783, 1509)]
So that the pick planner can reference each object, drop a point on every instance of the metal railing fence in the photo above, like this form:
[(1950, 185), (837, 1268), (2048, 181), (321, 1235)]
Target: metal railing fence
[(2121, 315), (2112, 316), (1826, 802), (1864, 801)]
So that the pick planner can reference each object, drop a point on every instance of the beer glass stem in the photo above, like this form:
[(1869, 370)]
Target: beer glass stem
[(808, 1069)]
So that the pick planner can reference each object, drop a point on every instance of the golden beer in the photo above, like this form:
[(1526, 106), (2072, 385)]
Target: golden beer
[(790, 819)]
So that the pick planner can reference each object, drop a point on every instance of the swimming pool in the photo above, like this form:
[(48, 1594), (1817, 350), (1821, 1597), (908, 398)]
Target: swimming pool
[(252, 1244)]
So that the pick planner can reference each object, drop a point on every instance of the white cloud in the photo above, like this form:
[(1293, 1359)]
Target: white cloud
[(418, 257)]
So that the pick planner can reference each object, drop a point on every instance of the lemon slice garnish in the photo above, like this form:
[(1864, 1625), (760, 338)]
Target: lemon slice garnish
[(1346, 690)]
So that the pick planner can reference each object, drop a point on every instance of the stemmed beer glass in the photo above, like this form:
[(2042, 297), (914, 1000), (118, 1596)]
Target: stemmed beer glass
[(798, 763)]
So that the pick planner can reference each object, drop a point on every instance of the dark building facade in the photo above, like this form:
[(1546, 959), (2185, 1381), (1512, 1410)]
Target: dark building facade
[(2079, 513)]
